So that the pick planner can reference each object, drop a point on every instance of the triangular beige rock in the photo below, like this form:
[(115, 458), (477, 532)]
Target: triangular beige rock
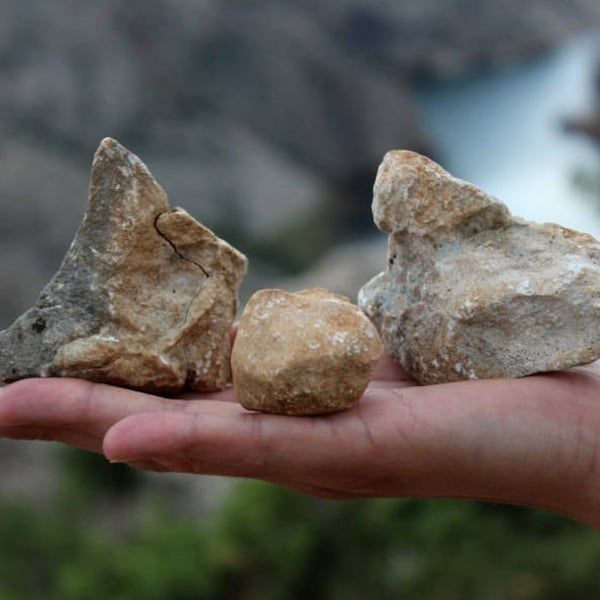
[(145, 296)]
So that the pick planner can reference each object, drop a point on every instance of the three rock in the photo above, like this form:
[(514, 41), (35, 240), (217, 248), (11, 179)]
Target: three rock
[(146, 296), (472, 292)]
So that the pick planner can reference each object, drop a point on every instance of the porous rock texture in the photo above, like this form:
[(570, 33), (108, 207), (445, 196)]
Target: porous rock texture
[(144, 298), (471, 291), (310, 352)]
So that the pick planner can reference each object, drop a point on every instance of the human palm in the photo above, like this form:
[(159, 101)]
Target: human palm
[(531, 441)]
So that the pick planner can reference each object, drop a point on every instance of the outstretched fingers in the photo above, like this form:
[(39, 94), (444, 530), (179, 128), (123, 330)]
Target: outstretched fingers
[(74, 411), (322, 454), (530, 441), (79, 412)]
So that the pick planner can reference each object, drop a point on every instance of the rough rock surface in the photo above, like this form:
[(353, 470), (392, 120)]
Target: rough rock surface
[(144, 298), (311, 352), (472, 292)]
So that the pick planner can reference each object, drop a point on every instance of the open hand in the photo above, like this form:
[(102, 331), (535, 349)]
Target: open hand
[(533, 441)]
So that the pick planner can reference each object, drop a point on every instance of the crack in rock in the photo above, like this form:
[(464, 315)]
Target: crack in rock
[(174, 246), (113, 311)]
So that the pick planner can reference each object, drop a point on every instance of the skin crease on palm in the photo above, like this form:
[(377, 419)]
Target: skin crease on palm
[(533, 441)]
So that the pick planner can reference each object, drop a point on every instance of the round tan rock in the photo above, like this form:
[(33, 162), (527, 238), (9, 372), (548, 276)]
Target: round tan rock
[(307, 353)]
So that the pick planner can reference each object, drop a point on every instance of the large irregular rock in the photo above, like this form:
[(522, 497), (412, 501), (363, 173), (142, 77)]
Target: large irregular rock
[(311, 352), (144, 298), (472, 292)]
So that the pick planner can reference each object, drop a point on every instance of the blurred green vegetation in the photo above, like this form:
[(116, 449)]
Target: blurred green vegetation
[(288, 251), (87, 475), (267, 543), (588, 180)]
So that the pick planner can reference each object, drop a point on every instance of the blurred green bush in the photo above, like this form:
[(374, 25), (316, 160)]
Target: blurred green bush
[(266, 543)]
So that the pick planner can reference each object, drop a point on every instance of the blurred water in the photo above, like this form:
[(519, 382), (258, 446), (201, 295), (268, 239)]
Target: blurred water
[(502, 130)]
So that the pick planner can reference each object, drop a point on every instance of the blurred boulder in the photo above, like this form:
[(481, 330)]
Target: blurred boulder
[(343, 270), (444, 39), (42, 199)]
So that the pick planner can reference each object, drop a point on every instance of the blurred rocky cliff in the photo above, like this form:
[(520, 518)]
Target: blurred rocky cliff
[(266, 120)]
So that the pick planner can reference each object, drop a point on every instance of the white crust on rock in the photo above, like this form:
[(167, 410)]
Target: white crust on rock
[(472, 292)]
